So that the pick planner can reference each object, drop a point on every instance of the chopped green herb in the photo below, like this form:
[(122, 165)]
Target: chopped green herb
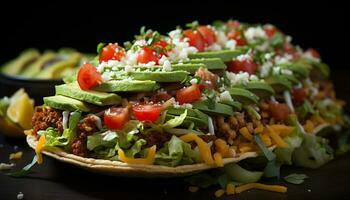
[(100, 47), (25, 171)]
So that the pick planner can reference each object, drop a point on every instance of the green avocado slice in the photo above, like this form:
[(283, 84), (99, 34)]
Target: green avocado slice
[(35, 67), (54, 71), (224, 55), (219, 108), (188, 67), (73, 90), (173, 76), (66, 103), (210, 63), (279, 83), (259, 88), (236, 106), (200, 123), (127, 86), (244, 96), (190, 112), (16, 66)]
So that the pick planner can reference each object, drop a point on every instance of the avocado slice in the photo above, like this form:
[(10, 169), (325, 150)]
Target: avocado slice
[(210, 63), (188, 67), (298, 68), (173, 76), (200, 123), (279, 83), (236, 106), (35, 67), (219, 108), (244, 96), (259, 88), (66, 103), (127, 86), (190, 112), (54, 71), (319, 70), (224, 55), (73, 90), (15, 66)]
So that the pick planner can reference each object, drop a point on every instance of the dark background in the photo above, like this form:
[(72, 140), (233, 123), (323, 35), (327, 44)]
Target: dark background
[(82, 25)]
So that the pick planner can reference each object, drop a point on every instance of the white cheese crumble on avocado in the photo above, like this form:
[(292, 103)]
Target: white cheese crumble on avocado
[(240, 78), (254, 33)]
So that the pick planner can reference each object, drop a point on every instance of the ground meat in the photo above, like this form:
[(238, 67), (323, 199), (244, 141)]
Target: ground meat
[(45, 117), (86, 127), (155, 138)]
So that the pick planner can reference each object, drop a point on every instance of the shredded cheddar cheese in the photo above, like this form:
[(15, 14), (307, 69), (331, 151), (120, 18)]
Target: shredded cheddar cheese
[(149, 160), (245, 132), (219, 193), (279, 141), (39, 147), (273, 188), (222, 147), (16, 156), (230, 189), (203, 147), (282, 130), (265, 138), (218, 159), (259, 129), (309, 126)]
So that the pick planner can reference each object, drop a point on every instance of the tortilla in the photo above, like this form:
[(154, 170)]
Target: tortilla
[(117, 168)]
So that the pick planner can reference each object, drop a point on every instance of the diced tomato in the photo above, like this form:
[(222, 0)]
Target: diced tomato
[(189, 94), (208, 77), (111, 52), (313, 52), (233, 24), (237, 36), (246, 65), (299, 95), (208, 34), (270, 30), (88, 77), (161, 43), (279, 111), (147, 112), (116, 118), (147, 55), (195, 39)]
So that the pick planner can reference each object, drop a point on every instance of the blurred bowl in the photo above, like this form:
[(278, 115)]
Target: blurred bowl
[(36, 88)]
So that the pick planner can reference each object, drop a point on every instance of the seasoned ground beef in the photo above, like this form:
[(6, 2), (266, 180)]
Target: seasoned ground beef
[(45, 117), (155, 138), (86, 127)]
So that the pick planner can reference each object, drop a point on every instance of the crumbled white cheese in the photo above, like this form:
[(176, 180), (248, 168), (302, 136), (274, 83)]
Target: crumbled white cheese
[(128, 68), (213, 47), (149, 64), (286, 72), (185, 105), (107, 75), (175, 34), (253, 33), (194, 81), (6, 166), (268, 56), (240, 78), (265, 69), (276, 70), (100, 68), (166, 66), (283, 59), (231, 44), (140, 43), (221, 38), (243, 57), (263, 47), (20, 196), (308, 55), (181, 50), (162, 60), (289, 39), (225, 97)]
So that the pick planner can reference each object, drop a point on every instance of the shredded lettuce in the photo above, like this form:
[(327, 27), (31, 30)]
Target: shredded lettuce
[(312, 153), (136, 148), (176, 121), (54, 138), (176, 152)]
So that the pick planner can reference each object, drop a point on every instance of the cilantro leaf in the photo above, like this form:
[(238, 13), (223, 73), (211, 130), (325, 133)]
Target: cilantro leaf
[(100, 47)]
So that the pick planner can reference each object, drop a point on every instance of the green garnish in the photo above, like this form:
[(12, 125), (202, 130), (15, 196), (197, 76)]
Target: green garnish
[(295, 178)]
